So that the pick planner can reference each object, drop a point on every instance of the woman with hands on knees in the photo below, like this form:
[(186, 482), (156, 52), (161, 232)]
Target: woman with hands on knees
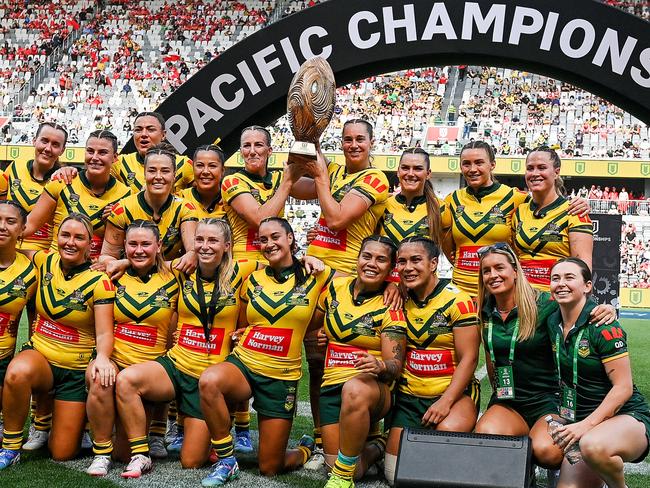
[(175, 217), (606, 414), (145, 318), (74, 306), (277, 306), (438, 389), (365, 353)]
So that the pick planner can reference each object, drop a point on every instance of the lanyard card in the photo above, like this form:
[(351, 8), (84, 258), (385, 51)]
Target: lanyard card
[(568, 406), (505, 383)]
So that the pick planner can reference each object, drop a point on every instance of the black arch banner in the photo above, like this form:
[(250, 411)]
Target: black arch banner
[(596, 47)]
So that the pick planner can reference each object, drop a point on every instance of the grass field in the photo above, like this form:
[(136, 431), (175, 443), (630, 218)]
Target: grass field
[(36, 469)]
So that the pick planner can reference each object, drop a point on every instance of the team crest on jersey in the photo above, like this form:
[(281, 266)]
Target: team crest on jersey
[(438, 324), (256, 195), (76, 301), (227, 300), (290, 400), (130, 177), (388, 217), (18, 288), (365, 326), (74, 200), (171, 233), (161, 300), (520, 226), (495, 216), (583, 348), (257, 290), (332, 308), (187, 287), (15, 183), (47, 278), (120, 291), (298, 296), (551, 233), (460, 210)]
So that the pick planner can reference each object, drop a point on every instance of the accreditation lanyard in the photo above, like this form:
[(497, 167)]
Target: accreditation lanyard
[(569, 394), (505, 380), (207, 312)]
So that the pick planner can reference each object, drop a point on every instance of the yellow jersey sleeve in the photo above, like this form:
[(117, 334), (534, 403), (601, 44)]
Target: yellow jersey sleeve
[(4, 184), (118, 216), (233, 186), (374, 186)]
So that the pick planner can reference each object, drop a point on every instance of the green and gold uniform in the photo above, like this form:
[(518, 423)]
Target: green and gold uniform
[(24, 189), (269, 352), (352, 327), (17, 287), (541, 237), (79, 197), (215, 210), (340, 249), (246, 244), (535, 378), (193, 352), (143, 311), (592, 347), (64, 331), (173, 213), (478, 219), (129, 169), (430, 351)]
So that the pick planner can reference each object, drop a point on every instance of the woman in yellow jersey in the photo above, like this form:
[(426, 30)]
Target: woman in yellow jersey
[(129, 169), (24, 182), (480, 214), (74, 307), (175, 217), (437, 389), (266, 363), (366, 341), (254, 193), (145, 316), (208, 311), (17, 278), (543, 230), (93, 192), (205, 195)]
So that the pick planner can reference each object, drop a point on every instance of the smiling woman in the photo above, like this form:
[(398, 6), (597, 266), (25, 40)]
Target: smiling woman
[(205, 195)]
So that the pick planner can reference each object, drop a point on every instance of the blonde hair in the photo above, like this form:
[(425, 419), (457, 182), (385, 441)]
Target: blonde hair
[(525, 295), (223, 282)]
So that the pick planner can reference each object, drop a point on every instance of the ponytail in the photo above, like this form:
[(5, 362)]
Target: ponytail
[(433, 212)]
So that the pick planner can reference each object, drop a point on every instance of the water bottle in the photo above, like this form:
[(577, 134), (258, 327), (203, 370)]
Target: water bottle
[(572, 455)]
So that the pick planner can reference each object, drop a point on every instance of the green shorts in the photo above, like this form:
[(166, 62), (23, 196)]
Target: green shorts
[(4, 363), (329, 403), (644, 418), (272, 398), (69, 384), (186, 389), (532, 409), (409, 409)]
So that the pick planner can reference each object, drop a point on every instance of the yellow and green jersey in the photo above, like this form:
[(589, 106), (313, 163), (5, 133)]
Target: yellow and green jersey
[(353, 327), (246, 244), (340, 249), (401, 220), (193, 351), (541, 237), (24, 189), (173, 213), (129, 169), (430, 352), (143, 311), (278, 314), (478, 219), (79, 197), (17, 287), (215, 210), (64, 330)]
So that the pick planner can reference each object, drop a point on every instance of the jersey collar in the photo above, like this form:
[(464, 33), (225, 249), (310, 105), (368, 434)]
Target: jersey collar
[(438, 288), (147, 208), (363, 296), (74, 271), (30, 168), (86, 183), (490, 310), (418, 200), (266, 180), (583, 318), (145, 279), (483, 191), (281, 276), (210, 208), (540, 213)]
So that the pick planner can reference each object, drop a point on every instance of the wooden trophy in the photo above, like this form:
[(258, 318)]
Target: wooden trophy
[(310, 105)]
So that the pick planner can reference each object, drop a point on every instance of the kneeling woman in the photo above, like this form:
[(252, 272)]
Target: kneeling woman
[(278, 304), (365, 352), (438, 389), (611, 419), (74, 306), (208, 309), (145, 316)]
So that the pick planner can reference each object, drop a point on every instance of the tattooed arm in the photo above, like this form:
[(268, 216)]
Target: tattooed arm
[(393, 350), (466, 344)]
